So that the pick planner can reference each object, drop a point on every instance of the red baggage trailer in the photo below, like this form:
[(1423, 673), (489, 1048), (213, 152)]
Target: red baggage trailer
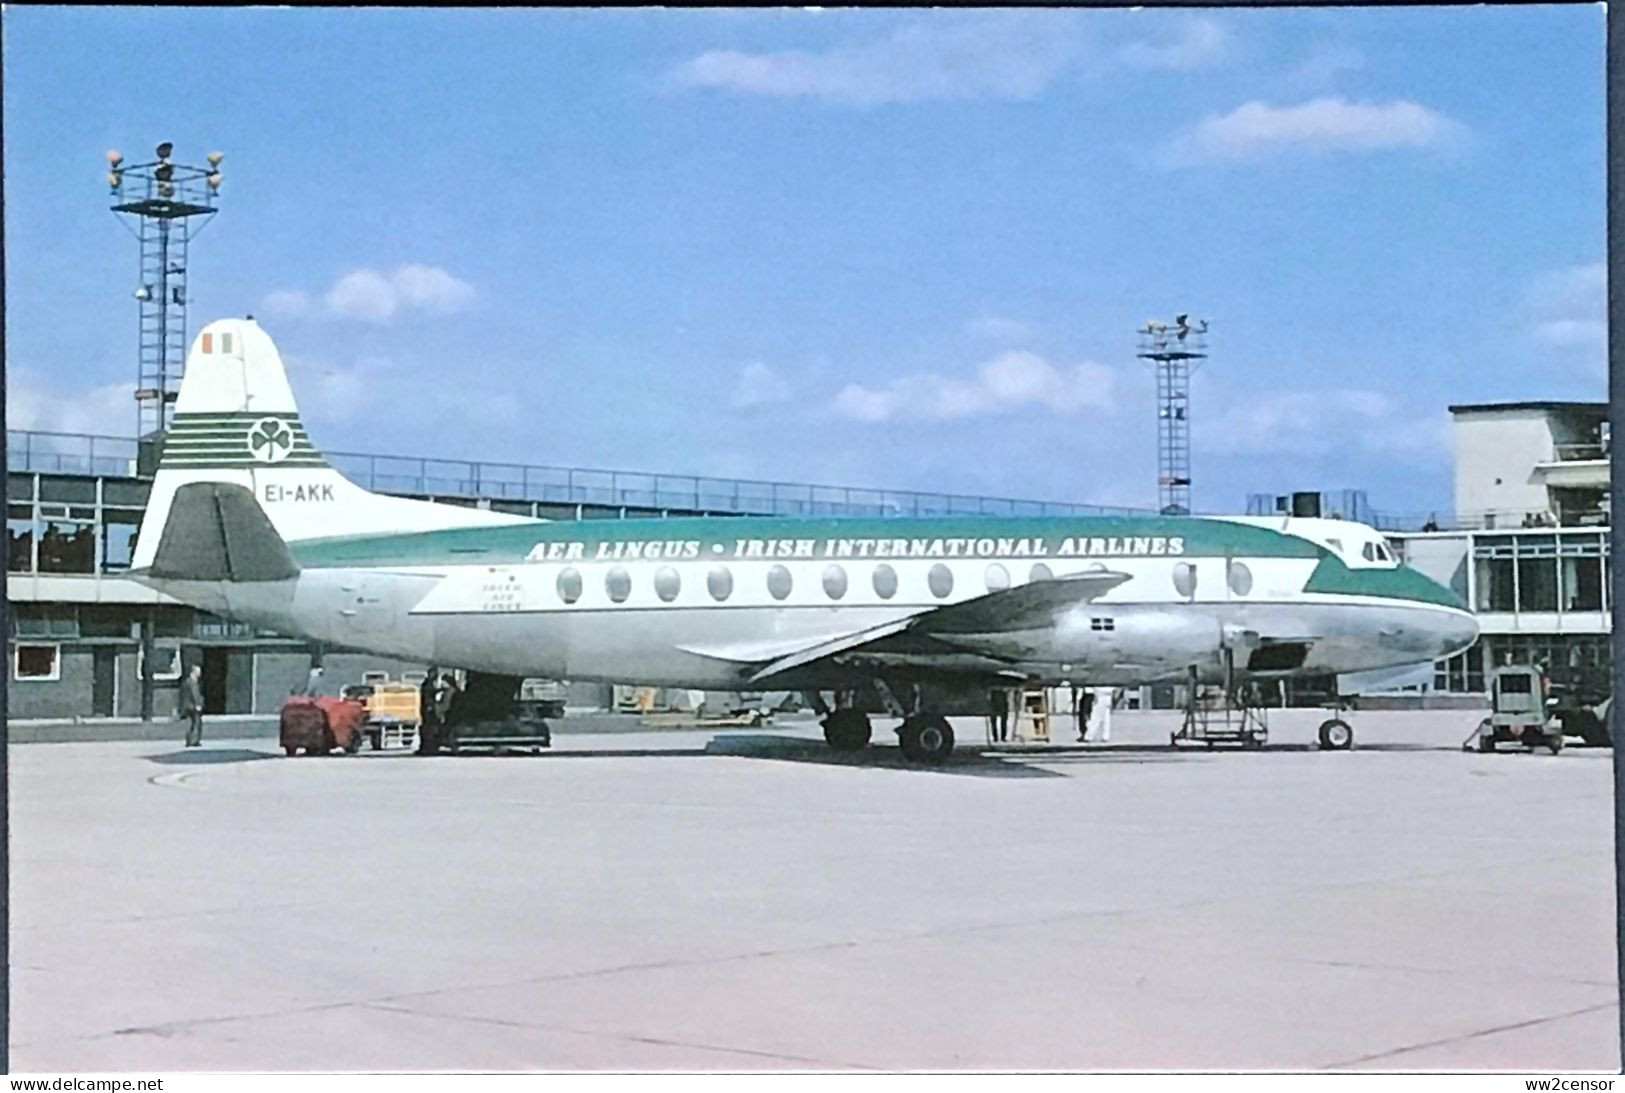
[(320, 724)]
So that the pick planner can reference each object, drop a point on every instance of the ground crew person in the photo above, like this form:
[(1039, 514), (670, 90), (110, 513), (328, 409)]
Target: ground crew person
[(429, 713), (1083, 705), (998, 714), (313, 682), (190, 706)]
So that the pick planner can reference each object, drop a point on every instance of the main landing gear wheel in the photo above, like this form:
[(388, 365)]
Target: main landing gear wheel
[(926, 738), (1336, 735), (847, 730)]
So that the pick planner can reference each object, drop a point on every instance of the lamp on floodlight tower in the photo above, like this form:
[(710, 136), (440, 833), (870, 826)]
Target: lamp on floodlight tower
[(160, 202)]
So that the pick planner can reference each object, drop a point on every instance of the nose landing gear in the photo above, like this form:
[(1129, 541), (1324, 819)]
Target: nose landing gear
[(1336, 735)]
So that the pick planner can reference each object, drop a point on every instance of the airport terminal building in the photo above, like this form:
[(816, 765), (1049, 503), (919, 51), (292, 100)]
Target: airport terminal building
[(1527, 547)]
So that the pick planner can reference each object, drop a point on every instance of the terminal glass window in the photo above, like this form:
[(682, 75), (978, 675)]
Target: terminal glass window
[(20, 531), (885, 581), (1579, 572), (618, 583), (1462, 673), (68, 546), (119, 527), (40, 621), (166, 661), (1537, 573), (42, 662), (779, 582), (109, 621), (1493, 565)]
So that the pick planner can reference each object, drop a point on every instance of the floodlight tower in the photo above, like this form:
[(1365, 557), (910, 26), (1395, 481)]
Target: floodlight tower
[(158, 202), (1175, 350)]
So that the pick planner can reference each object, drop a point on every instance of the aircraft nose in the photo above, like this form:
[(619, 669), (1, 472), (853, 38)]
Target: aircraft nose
[(1455, 631)]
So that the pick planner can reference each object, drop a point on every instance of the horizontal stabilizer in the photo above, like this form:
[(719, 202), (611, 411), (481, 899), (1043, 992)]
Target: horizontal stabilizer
[(216, 531)]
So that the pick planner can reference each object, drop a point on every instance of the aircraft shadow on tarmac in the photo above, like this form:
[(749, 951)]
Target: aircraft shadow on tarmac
[(799, 749), (207, 757)]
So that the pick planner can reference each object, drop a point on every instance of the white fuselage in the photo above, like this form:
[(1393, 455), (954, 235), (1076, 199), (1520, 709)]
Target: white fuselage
[(675, 631)]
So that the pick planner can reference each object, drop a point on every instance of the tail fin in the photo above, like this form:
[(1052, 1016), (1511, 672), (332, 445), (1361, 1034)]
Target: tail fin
[(236, 422)]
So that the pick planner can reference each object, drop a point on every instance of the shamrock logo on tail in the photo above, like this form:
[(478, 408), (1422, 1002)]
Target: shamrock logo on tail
[(270, 440)]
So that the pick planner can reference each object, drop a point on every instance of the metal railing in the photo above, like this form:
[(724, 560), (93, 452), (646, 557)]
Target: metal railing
[(1501, 520), (72, 453), (69, 453), (1572, 453)]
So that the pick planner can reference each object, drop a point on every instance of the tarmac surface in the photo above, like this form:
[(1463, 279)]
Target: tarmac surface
[(682, 899)]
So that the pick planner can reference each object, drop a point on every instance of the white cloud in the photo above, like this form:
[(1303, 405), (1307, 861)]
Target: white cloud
[(1257, 130), (286, 304), (431, 289), (1294, 424), (1189, 44), (1010, 381), (1001, 55), (363, 294), (995, 328), (32, 403), (377, 297), (759, 385), (1570, 311)]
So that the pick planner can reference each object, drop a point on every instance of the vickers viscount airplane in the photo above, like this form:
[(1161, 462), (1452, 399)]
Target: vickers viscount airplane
[(247, 519)]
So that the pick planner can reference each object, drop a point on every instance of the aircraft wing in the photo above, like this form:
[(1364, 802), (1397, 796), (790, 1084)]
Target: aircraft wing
[(1027, 607)]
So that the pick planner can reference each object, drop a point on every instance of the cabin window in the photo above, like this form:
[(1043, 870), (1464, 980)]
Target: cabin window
[(1185, 579), (42, 662), (997, 578), (834, 582), (779, 582), (569, 585), (885, 581), (720, 583), (1102, 624), (1241, 578), (1040, 572), (667, 583), (618, 583), (940, 580)]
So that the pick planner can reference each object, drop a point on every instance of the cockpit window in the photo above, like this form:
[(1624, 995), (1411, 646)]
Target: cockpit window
[(1369, 552), (1384, 553), (1335, 544)]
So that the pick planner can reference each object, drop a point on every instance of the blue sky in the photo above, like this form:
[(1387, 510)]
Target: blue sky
[(904, 249)]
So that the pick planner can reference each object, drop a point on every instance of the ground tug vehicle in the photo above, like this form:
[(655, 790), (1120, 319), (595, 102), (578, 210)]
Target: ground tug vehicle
[(1519, 712)]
